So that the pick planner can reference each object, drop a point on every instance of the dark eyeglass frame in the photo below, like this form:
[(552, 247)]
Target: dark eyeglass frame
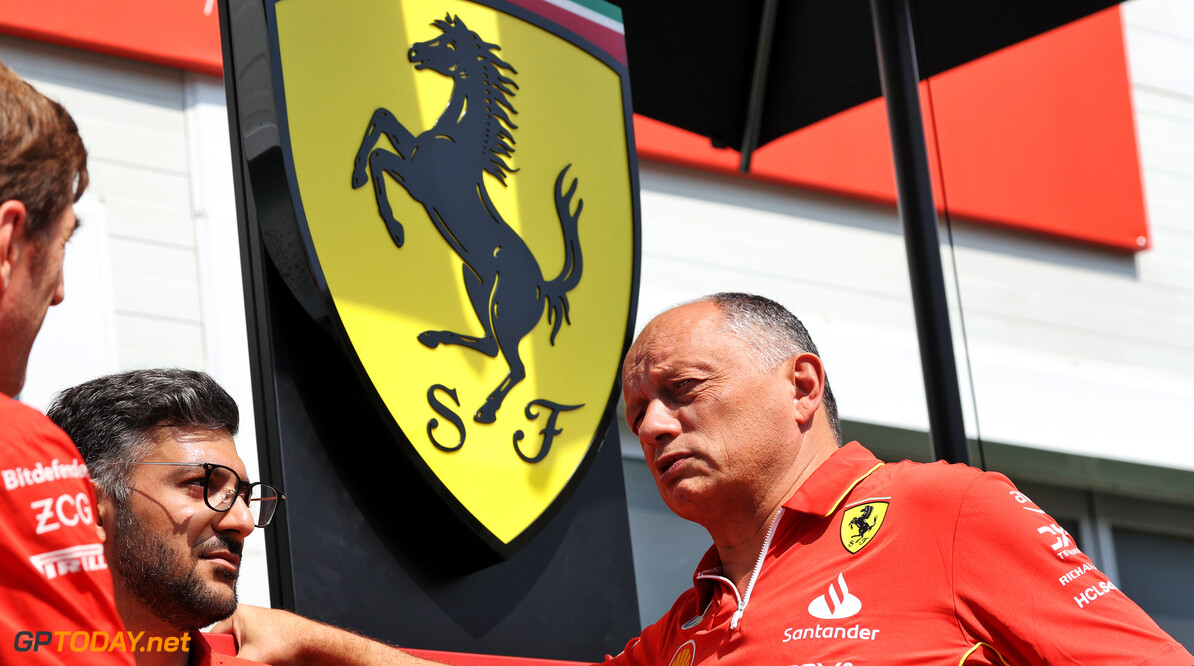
[(244, 489)]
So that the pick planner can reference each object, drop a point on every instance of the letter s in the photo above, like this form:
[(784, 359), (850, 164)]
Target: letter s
[(443, 410)]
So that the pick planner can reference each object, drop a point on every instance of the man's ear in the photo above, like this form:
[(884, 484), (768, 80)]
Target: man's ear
[(13, 217), (808, 376), (105, 512)]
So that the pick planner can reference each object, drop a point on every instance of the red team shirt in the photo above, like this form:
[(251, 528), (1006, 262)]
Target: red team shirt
[(873, 564), (55, 577)]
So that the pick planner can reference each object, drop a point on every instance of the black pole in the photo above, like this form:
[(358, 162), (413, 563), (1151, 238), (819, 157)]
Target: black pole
[(758, 84), (897, 69)]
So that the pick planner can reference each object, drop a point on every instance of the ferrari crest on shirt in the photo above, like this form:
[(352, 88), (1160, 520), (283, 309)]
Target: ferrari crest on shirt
[(464, 180), (861, 522)]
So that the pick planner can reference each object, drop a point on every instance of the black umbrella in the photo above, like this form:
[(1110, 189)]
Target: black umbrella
[(747, 72)]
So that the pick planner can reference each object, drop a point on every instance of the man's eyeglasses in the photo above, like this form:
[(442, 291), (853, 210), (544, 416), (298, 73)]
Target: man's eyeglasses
[(222, 485)]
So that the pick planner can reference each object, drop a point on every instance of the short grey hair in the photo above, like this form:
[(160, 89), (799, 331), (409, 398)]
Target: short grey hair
[(113, 419), (773, 334)]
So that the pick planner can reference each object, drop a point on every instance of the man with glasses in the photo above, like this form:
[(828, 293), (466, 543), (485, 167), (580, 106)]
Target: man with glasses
[(174, 504)]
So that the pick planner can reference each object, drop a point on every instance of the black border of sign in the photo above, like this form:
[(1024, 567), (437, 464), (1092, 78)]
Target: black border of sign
[(332, 318), (242, 48)]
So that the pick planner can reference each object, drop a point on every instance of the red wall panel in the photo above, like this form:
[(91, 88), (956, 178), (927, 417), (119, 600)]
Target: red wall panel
[(177, 33)]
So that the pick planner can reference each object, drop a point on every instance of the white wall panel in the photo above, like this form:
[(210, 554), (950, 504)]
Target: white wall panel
[(764, 231), (1160, 61), (1160, 44), (1170, 204), (1105, 306), (83, 72), (146, 342), (1172, 17), (144, 204), (1165, 126), (1171, 268), (156, 281), (130, 132)]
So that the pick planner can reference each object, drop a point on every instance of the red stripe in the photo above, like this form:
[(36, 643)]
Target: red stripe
[(602, 37), (175, 33)]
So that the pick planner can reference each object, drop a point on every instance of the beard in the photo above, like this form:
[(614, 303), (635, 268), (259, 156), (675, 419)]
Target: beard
[(165, 578)]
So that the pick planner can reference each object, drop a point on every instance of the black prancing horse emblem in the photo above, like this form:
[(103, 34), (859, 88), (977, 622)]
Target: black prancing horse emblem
[(442, 169), (860, 523)]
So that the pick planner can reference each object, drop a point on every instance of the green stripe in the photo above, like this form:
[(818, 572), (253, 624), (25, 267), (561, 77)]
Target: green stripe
[(612, 12)]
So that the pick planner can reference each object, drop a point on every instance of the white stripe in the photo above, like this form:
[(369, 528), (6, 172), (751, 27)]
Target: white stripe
[(869, 499), (74, 552), (588, 14)]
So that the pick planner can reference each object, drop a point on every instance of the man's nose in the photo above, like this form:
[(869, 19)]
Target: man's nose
[(237, 519), (659, 424)]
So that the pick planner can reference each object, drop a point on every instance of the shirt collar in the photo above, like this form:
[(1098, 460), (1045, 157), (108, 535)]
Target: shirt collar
[(821, 493)]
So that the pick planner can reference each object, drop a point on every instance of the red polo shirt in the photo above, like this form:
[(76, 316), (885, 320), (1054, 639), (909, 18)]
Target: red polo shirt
[(55, 578), (906, 563)]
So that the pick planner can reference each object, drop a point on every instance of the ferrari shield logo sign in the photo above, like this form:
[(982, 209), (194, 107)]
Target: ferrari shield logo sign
[(861, 522), (463, 178)]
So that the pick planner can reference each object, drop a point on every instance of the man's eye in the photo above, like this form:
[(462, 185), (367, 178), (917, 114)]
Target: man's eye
[(633, 418)]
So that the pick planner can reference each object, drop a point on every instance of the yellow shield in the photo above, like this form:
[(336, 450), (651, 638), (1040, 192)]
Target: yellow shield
[(464, 184), (860, 524)]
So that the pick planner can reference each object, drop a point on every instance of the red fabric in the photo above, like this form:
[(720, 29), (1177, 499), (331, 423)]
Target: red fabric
[(465, 659), (963, 568), (216, 650), (56, 580)]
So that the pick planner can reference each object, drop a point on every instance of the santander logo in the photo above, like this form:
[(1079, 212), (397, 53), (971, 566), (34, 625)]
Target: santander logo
[(838, 604)]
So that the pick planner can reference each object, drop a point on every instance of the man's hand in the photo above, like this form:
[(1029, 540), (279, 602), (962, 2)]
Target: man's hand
[(279, 638)]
